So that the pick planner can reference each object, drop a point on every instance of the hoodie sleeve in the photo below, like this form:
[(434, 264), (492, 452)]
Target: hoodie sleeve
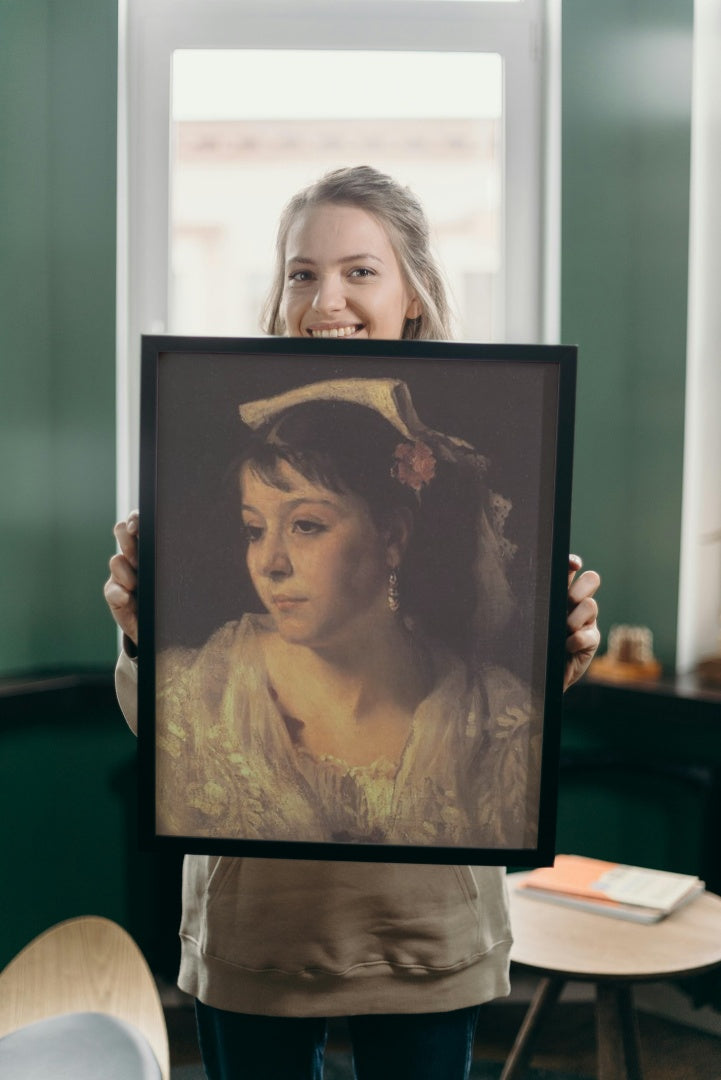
[(126, 688)]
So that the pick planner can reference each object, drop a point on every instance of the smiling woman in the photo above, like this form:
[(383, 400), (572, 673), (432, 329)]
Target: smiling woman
[(353, 259), (338, 260), (437, 747)]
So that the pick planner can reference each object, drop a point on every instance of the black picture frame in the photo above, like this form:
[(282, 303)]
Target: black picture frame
[(514, 404)]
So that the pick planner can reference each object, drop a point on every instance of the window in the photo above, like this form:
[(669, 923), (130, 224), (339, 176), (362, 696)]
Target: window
[(235, 161), (227, 107)]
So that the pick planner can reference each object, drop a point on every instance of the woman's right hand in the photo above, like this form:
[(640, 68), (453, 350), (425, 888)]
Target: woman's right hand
[(121, 587)]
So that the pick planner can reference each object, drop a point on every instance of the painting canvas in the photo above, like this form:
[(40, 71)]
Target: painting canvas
[(352, 597)]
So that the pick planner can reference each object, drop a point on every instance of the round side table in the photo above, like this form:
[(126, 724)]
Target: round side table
[(563, 944)]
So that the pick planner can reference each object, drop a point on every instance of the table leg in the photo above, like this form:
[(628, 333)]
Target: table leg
[(545, 997), (617, 1033)]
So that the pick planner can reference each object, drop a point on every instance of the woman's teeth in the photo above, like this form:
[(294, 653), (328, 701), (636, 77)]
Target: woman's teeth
[(337, 331)]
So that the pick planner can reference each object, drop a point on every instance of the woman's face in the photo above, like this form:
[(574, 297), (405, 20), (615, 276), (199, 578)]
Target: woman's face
[(316, 559), (342, 277)]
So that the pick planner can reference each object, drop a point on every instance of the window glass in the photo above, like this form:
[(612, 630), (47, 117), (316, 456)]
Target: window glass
[(251, 127)]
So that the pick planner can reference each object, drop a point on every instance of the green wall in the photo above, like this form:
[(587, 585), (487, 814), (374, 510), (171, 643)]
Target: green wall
[(58, 72), (626, 145), (66, 758)]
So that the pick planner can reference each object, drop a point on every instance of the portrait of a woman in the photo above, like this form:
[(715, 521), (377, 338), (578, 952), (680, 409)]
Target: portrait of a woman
[(364, 704)]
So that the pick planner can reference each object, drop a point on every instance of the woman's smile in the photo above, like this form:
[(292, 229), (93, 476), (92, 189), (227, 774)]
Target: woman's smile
[(335, 331)]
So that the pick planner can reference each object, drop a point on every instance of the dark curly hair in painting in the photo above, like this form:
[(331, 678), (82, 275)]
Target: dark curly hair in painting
[(452, 578)]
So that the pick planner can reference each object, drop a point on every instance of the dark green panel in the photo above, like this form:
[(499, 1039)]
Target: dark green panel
[(58, 75), (641, 777), (26, 481), (82, 302), (630, 818), (626, 145), (64, 787), (68, 791)]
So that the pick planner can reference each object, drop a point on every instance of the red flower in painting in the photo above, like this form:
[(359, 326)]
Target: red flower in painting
[(415, 465)]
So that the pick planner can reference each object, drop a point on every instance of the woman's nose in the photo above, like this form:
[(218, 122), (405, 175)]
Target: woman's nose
[(329, 295)]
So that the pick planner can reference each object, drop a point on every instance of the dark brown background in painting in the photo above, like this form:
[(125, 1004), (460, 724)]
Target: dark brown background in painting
[(506, 409)]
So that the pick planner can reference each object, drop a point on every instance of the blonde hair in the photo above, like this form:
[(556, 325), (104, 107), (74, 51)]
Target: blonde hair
[(403, 217)]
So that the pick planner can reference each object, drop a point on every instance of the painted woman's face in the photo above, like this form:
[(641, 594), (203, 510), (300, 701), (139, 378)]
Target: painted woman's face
[(316, 559), (342, 277)]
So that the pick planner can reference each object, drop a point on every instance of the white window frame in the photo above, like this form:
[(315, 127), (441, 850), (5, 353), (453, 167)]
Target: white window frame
[(526, 34), (699, 597)]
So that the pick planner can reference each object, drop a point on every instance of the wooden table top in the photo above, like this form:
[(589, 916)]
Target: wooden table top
[(582, 945)]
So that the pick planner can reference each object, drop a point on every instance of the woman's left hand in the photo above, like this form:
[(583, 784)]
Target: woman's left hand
[(582, 634)]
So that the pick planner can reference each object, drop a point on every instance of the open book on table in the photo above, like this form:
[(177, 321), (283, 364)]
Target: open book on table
[(609, 888)]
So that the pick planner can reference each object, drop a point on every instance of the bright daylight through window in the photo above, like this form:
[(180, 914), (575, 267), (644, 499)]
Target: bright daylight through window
[(237, 156)]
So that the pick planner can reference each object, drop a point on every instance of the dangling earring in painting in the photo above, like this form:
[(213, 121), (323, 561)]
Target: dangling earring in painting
[(393, 593)]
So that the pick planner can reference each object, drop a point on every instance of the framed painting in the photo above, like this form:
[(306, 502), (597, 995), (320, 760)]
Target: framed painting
[(352, 597)]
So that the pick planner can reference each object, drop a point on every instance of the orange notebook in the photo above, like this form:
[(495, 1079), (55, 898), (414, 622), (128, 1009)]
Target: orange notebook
[(631, 892)]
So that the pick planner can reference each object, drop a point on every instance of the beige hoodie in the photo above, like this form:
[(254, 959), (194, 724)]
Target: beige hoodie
[(299, 938)]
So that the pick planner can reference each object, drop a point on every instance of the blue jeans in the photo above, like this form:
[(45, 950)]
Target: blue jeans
[(415, 1046)]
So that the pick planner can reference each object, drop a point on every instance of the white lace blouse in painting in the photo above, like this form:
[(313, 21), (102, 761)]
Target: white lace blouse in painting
[(230, 765)]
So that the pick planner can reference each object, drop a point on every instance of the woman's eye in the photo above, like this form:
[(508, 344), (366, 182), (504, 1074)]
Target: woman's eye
[(308, 528), (362, 272), (252, 533), (300, 276)]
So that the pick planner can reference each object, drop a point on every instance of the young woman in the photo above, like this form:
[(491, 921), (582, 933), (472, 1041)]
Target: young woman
[(270, 949)]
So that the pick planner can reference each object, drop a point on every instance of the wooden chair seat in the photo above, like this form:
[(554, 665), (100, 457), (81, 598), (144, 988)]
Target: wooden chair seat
[(84, 965)]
